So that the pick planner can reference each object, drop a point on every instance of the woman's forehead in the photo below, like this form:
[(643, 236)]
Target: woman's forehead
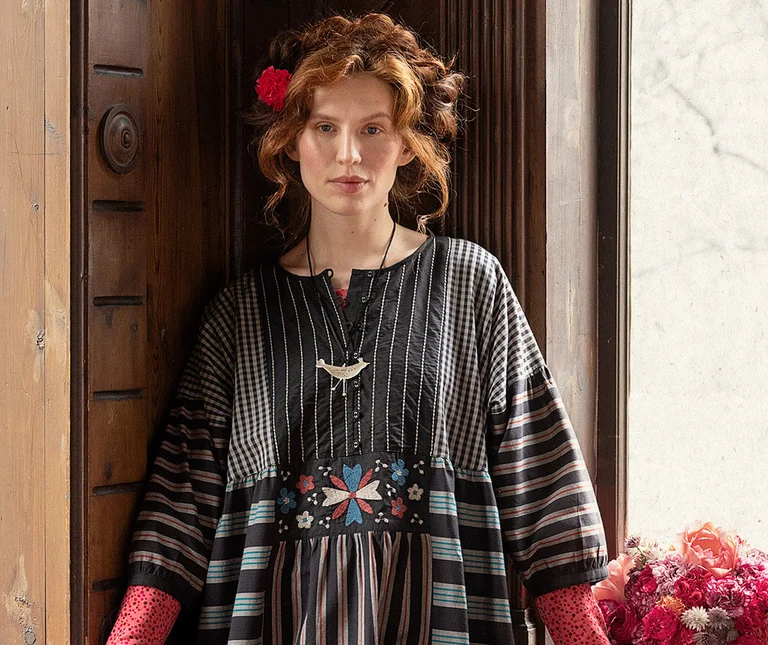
[(356, 96)]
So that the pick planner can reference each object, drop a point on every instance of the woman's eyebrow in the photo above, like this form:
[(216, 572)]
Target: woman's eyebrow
[(365, 118)]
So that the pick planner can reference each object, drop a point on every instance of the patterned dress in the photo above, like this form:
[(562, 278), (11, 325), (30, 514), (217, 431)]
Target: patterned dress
[(288, 506)]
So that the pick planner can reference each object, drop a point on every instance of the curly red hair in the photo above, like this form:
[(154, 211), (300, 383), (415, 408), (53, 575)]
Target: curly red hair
[(426, 91)]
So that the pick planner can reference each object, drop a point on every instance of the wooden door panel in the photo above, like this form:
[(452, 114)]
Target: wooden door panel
[(118, 33), (108, 537), (118, 253), (117, 336), (120, 434)]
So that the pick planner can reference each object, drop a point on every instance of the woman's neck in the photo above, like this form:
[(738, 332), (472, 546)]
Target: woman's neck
[(343, 242), (343, 245)]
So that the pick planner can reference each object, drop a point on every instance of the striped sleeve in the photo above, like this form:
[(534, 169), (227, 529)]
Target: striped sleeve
[(549, 516), (173, 533)]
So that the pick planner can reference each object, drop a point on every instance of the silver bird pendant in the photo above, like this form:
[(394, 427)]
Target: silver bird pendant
[(343, 372)]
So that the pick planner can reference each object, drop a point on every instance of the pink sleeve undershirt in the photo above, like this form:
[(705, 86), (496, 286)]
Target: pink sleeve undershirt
[(571, 615)]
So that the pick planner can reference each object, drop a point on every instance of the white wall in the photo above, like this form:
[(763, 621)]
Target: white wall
[(698, 439)]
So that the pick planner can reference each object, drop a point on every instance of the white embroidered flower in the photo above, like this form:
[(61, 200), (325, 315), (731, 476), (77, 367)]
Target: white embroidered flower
[(304, 520), (695, 618), (414, 492)]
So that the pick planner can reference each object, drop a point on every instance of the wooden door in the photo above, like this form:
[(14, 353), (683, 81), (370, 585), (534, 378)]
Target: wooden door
[(149, 248)]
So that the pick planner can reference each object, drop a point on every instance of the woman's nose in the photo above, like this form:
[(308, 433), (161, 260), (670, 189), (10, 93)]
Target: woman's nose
[(348, 151)]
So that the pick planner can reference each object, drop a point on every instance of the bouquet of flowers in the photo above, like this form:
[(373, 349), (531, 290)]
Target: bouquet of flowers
[(709, 588)]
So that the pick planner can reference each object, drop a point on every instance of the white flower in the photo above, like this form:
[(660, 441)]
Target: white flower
[(414, 492), (304, 520), (695, 618)]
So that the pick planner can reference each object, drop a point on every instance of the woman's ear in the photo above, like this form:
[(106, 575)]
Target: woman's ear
[(405, 157), (292, 152)]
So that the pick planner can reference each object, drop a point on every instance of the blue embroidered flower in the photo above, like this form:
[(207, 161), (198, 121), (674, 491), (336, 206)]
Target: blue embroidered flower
[(399, 471), (286, 500), (350, 494)]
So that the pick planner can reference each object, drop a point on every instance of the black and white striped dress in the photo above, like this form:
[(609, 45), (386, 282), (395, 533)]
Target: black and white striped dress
[(282, 509)]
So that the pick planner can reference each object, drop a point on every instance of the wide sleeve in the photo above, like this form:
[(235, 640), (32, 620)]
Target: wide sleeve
[(173, 533), (549, 516)]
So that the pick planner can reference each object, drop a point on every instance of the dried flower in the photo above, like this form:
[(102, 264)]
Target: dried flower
[(695, 618), (719, 620)]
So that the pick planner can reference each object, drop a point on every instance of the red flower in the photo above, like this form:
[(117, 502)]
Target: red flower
[(646, 582), (691, 588), (271, 86), (622, 623), (748, 639), (751, 618), (661, 625), (398, 508), (305, 484)]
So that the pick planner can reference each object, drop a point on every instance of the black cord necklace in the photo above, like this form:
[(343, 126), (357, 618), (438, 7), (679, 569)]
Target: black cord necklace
[(344, 372)]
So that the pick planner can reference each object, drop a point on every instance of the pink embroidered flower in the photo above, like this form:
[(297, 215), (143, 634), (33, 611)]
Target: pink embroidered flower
[(271, 86), (305, 484), (398, 507)]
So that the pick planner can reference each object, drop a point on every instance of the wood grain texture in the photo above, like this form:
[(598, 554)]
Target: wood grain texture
[(57, 323), (22, 325), (34, 324)]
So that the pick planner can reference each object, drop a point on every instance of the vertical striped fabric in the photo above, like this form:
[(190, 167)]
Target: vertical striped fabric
[(288, 507)]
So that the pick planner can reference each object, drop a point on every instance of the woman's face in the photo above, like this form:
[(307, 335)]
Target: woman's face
[(348, 150)]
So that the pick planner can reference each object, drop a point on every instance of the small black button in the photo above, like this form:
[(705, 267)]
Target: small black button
[(364, 299), (356, 383), (356, 445), (349, 324), (356, 354), (370, 273)]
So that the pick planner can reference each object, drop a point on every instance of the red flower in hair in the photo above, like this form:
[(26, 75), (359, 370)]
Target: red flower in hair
[(271, 86)]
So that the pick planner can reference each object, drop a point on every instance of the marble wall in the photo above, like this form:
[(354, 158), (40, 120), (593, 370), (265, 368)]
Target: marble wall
[(698, 408)]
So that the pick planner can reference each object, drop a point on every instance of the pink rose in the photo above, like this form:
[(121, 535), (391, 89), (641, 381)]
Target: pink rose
[(710, 547), (612, 588)]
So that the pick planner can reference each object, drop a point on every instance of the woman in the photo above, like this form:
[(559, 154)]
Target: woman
[(366, 425)]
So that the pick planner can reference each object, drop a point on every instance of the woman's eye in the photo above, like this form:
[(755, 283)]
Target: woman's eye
[(324, 125), (373, 127)]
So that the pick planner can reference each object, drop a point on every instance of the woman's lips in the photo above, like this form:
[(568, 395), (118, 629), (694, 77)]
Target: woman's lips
[(348, 186)]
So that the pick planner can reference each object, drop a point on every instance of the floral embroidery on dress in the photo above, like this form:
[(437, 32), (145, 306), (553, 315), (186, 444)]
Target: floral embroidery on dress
[(305, 484), (286, 500), (350, 494), (398, 507), (415, 493), (304, 520), (399, 471)]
